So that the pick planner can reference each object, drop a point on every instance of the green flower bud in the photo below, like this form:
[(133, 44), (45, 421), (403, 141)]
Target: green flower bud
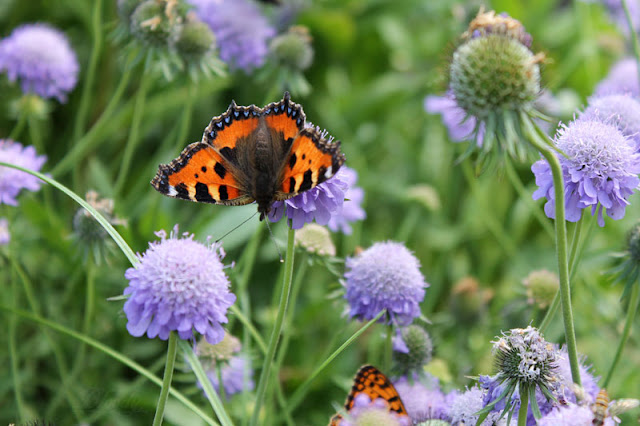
[(156, 22), (315, 239), (126, 8), (195, 40), (542, 287), (222, 352), (420, 349), (293, 49)]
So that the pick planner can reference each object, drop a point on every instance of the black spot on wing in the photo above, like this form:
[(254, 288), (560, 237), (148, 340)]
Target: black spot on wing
[(224, 195), (220, 170), (292, 160), (306, 181), (202, 193), (230, 154), (292, 185), (182, 191), (204, 169)]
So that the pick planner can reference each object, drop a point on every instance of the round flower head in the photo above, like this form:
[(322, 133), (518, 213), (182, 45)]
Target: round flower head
[(5, 236), (565, 386), (542, 286), (385, 276), (600, 170), (42, 59), (525, 362), (319, 203), (242, 32), (621, 110), (156, 23), (351, 209), (366, 412), (178, 285), (12, 180), (412, 349), (315, 239), (233, 373), (496, 78), (422, 403), (459, 124), (622, 79), (465, 406), (293, 49)]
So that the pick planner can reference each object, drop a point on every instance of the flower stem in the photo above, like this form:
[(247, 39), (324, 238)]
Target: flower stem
[(22, 120), (524, 406), (277, 328), (634, 37), (83, 109), (168, 375), (13, 355), (632, 309), (388, 347), (561, 246), (134, 132)]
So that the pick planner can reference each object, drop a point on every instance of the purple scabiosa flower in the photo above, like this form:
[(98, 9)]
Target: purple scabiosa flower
[(571, 415), (5, 236), (376, 412), (423, 403), (525, 363), (460, 126), (351, 209), (233, 373), (319, 203), (600, 170), (385, 276), (622, 78), (565, 381), (178, 285), (620, 110), (42, 59), (12, 180), (241, 31), (465, 406)]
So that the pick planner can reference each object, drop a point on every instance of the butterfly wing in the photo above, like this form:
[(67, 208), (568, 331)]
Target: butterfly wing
[(313, 159), (200, 174), (371, 382)]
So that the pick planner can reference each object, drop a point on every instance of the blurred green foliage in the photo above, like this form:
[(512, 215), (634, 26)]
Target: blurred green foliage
[(375, 61)]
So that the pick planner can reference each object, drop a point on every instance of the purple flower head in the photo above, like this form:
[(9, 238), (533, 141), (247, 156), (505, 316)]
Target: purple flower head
[(367, 412), (622, 78), (5, 236), (179, 285), (241, 31), (615, 9), (620, 110), (465, 405), (351, 209), (565, 382), (600, 170), (385, 276), (42, 58), (571, 415), (459, 126), (424, 403), (233, 373), (320, 203), (12, 180)]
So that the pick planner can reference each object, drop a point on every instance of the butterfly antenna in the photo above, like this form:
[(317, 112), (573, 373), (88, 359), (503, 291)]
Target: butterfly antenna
[(237, 226), (274, 240)]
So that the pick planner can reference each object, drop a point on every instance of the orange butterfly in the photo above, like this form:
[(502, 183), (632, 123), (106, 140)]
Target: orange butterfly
[(371, 382)]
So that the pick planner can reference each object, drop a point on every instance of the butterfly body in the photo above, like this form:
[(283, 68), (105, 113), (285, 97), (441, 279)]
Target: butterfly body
[(252, 154)]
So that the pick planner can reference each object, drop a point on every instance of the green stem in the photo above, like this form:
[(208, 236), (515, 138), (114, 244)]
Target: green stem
[(634, 36), (302, 390), (277, 328), (408, 225), (632, 309), (13, 356), (168, 375), (561, 245), (526, 197), (388, 348), (134, 132), (87, 88), (122, 244), (22, 120), (524, 406), (90, 140)]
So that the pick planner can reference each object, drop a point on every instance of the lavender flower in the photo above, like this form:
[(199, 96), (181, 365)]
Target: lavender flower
[(599, 171), (460, 126), (5, 236), (179, 285), (385, 276), (42, 59), (615, 9), (465, 405), (620, 110), (622, 78), (368, 412), (12, 180), (320, 203), (233, 376), (351, 209), (423, 403), (565, 381), (571, 415), (241, 31)]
